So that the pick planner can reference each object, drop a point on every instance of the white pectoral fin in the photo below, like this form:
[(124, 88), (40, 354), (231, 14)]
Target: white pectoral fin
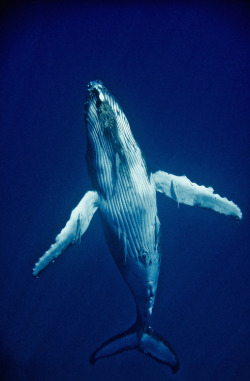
[(182, 190), (77, 225)]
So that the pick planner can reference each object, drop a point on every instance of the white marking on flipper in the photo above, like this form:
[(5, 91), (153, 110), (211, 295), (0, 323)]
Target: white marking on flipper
[(173, 191)]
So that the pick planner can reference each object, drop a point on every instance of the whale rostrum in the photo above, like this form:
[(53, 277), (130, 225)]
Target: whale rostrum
[(124, 193)]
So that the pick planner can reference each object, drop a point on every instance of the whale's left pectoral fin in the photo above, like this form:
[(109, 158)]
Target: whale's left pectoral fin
[(182, 190), (77, 225)]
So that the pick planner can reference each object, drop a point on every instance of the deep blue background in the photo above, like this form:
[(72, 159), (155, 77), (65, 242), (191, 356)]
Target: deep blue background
[(181, 73)]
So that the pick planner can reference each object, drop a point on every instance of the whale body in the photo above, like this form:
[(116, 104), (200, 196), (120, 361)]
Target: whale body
[(124, 192)]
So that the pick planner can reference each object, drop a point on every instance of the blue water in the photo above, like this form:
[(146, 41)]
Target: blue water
[(181, 74)]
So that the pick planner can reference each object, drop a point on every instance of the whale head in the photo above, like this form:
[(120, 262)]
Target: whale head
[(105, 120), (110, 143)]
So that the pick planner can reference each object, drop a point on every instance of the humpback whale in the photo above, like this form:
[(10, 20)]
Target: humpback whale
[(124, 193)]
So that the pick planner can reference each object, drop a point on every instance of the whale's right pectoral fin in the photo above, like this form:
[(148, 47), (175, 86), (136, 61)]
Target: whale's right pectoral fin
[(182, 190), (77, 225)]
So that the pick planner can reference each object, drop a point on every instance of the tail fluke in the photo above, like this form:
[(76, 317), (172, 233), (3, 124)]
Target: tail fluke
[(147, 342), (123, 342), (77, 225), (158, 348)]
